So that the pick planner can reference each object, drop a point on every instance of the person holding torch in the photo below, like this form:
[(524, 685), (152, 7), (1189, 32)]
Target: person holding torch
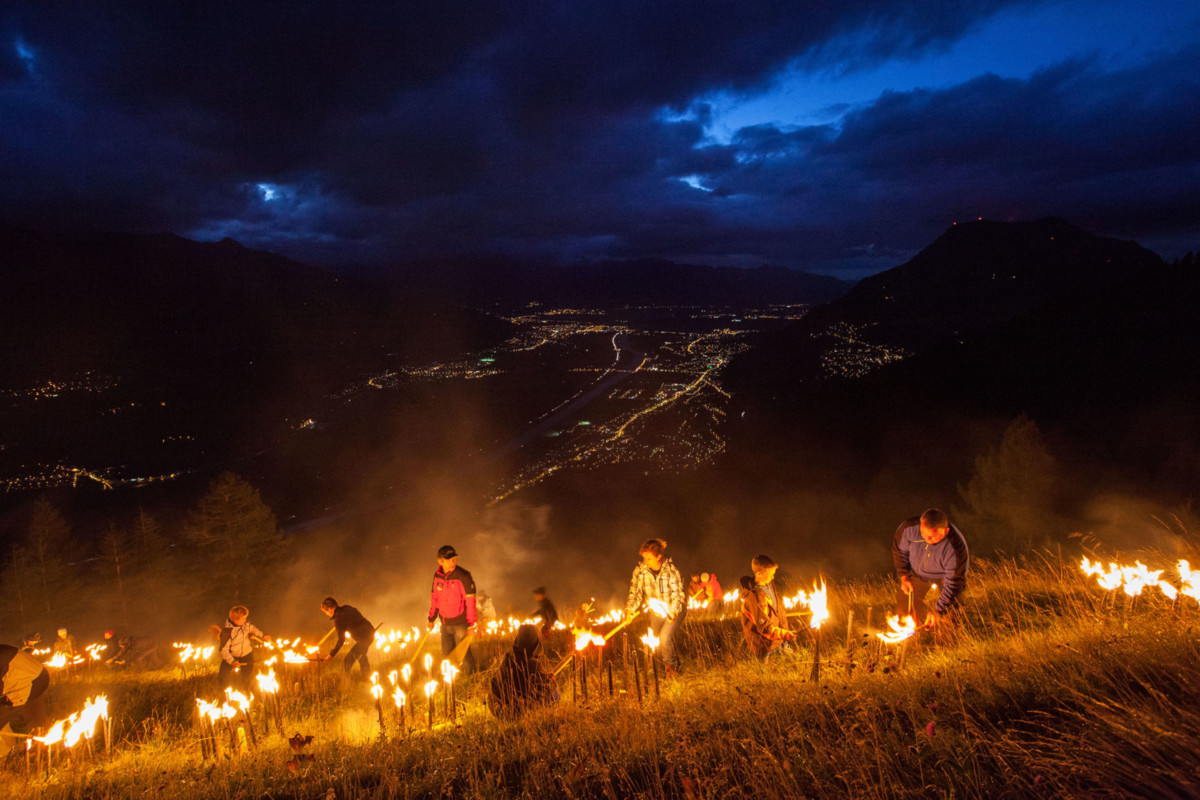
[(928, 550), (349, 620), (657, 578), (764, 622)]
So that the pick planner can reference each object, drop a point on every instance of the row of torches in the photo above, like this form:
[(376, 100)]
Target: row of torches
[(1131, 579)]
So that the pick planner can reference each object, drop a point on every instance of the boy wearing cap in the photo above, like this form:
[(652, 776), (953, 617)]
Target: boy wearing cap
[(453, 599)]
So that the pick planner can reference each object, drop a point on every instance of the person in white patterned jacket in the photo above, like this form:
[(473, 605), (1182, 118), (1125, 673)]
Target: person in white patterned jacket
[(657, 578)]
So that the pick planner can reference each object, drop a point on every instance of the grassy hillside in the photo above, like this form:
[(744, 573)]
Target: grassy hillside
[(1054, 688)]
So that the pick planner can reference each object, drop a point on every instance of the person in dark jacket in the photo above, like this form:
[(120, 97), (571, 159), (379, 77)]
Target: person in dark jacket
[(23, 684), (453, 599), (237, 650), (521, 683), (348, 620), (764, 623), (928, 550), (545, 610)]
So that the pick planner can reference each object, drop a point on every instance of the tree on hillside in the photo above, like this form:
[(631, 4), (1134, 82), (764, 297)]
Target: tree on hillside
[(148, 541), (1009, 503), (114, 550), (237, 534), (49, 537), (16, 583)]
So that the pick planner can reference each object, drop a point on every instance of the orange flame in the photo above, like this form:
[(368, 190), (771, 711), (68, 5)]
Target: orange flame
[(899, 631)]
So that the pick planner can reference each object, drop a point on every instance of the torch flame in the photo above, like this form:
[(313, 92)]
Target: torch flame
[(376, 689), (430, 688), (78, 726), (429, 662), (1190, 579), (1132, 580), (650, 640), (899, 631), (267, 684), (585, 638), (399, 698), (448, 671), (238, 699), (818, 601), (659, 607)]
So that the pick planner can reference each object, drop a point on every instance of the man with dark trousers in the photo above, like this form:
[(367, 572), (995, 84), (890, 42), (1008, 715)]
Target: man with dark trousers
[(453, 599), (928, 550), (348, 620)]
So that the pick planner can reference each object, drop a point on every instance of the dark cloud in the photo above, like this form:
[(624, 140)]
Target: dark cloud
[(390, 130)]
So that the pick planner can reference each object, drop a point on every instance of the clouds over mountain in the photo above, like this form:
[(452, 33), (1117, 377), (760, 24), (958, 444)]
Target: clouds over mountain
[(565, 130)]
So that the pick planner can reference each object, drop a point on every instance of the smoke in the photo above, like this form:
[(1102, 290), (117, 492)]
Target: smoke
[(1120, 523)]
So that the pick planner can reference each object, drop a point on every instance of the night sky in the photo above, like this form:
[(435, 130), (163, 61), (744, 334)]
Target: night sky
[(837, 137)]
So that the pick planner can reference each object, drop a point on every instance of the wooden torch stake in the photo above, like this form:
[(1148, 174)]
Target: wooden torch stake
[(815, 675), (849, 642)]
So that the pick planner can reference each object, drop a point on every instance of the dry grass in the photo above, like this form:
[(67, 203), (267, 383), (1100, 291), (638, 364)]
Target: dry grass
[(1050, 691)]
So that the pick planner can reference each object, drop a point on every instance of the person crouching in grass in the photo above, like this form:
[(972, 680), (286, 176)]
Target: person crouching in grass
[(521, 684), (764, 623)]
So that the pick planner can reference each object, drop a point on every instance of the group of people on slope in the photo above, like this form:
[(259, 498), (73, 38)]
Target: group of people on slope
[(452, 598), (926, 550)]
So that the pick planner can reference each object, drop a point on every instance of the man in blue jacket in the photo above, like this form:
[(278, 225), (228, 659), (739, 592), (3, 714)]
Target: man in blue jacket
[(928, 550)]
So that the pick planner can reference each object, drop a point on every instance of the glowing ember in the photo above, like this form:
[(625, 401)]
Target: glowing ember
[(899, 630)]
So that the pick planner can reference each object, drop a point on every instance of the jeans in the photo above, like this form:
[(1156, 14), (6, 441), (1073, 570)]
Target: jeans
[(359, 653), (920, 609), (242, 678), (451, 636), (667, 633)]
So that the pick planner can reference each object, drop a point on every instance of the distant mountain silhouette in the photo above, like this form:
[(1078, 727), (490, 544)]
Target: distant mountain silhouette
[(225, 338), (973, 281), (507, 284)]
